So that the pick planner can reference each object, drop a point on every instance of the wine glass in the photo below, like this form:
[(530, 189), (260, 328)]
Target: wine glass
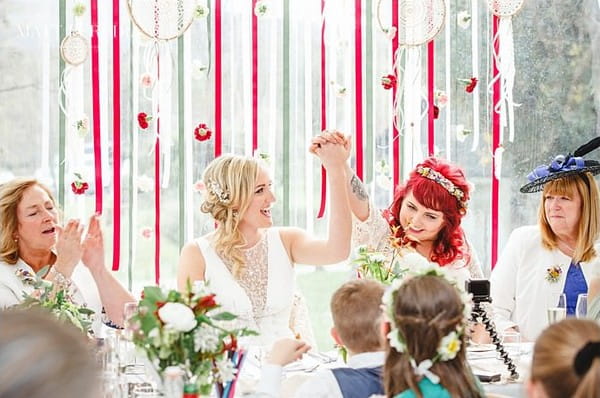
[(557, 308), (581, 307)]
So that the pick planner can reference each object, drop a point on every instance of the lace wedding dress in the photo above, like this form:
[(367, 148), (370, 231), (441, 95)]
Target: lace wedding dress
[(262, 297)]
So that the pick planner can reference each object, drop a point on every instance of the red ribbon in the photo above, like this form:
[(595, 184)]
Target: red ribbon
[(116, 138), (495, 145), (96, 106), (323, 110), (395, 132), (218, 81), (254, 78), (358, 79), (430, 96)]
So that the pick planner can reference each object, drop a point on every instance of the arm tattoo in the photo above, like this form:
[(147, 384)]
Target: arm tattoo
[(358, 189)]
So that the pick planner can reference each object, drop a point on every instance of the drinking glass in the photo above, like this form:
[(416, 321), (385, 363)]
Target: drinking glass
[(557, 308), (129, 310), (511, 340), (581, 307)]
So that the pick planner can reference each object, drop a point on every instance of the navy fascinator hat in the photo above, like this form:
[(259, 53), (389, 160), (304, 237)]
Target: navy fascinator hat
[(563, 166)]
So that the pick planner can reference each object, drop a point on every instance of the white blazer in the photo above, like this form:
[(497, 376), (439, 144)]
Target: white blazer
[(519, 288)]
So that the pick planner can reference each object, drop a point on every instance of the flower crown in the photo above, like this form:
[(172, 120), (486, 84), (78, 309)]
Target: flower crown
[(448, 185), (215, 188), (449, 345)]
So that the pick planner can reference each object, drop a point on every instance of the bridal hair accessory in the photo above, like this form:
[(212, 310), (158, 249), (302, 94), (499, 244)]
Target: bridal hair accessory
[(563, 166), (585, 356), (215, 189), (449, 345), (448, 185)]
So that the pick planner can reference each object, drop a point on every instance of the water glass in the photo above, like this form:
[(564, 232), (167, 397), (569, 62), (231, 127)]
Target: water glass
[(581, 307), (511, 340), (557, 308), (129, 310)]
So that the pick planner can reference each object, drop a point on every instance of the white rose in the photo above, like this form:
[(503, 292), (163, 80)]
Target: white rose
[(178, 316)]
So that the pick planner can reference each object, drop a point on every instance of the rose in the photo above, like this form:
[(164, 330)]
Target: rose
[(202, 132), (470, 84), (388, 81), (79, 186), (143, 120), (178, 316)]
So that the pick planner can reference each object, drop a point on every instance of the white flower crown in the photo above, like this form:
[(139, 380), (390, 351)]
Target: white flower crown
[(449, 345)]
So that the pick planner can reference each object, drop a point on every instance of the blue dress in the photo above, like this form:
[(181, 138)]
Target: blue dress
[(575, 284)]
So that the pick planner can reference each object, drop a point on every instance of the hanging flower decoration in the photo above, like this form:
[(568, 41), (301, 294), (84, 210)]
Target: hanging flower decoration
[(441, 98), (79, 186), (146, 80), (553, 273), (201, 11), (463, 19), (261, 8), (436, 111), (462, 133), (340, 91), (82, 126), (78, 9), (200, 187), (146, 232), (388, 81), (143, 120), (390, 33), (198, 69), (470, 84), (202, 132)]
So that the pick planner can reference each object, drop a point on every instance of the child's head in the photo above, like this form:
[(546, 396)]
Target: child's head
[(441, 186), (566, 360), (356, 312), (427, 316)]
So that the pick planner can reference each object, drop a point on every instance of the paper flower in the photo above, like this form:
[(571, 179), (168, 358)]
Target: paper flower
[(388, 81), (202, 132), (436, 111), (390, 33), (463, 19), (441, 98), (261, 8), (199, 186), (470, 84), (147, 232), (78, 9), (143, 120), (82, 126), (553, 273), (79, 186), (201, 11), (146, 80), (462, 133)]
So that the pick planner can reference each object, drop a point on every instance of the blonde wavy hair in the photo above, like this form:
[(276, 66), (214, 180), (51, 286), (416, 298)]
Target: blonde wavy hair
[(230, 181), (11, 194), (589, 223)]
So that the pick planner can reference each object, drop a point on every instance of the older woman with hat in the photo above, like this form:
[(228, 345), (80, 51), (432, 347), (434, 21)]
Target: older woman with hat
[(559, 254), (31, 240)]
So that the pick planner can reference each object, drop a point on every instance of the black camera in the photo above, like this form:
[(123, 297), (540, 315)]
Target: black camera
[(480, 289)]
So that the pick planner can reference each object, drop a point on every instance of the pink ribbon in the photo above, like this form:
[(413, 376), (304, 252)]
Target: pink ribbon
[(116, 138), (430, 96), (495, 145), (96, 106), (358, 79), (218, 80), (323, 109)]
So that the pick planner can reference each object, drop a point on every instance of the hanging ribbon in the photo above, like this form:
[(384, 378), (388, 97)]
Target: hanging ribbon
[(286, 158), (430, 98), (359, 83), (254, 78), (62, 32), (156, 95), (495, 145), (395, 132), (116, 138), (369, 93), (474, 70), (323, 109), (133, 156), (218, 82), (96, 106)]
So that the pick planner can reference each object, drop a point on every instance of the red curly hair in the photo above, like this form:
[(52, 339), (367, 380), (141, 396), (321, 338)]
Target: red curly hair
[(450, 244)]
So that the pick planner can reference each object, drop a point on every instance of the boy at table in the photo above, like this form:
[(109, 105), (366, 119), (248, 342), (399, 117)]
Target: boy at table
[(356, 313)]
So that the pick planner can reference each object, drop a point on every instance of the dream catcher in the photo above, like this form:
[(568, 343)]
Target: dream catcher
[(504, 54), (418, 23)]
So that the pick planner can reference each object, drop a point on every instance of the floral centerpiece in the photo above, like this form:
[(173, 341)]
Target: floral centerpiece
[(56, 299), (191, 332), (386, 269)]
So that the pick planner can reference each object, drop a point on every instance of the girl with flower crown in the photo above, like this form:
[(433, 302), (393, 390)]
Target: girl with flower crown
[(425, 215), (426, 355)]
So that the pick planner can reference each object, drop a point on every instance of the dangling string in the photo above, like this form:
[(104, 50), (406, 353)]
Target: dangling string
[(474, 70), (395, 94)]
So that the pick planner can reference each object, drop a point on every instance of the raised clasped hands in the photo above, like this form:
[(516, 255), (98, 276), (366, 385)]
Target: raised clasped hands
[(332, 147)]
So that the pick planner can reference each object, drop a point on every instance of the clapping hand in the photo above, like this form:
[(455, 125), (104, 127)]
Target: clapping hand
[(93, 244), (68, 247)]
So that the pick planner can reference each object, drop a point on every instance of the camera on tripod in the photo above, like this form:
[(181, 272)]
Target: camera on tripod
[(480, 289)]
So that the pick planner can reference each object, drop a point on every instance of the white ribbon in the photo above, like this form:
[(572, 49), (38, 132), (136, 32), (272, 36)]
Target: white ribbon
[(423, 370)]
